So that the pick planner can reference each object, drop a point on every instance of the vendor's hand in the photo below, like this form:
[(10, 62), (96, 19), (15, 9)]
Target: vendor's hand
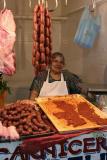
[(26, 101), (83, 88), (29, 102)]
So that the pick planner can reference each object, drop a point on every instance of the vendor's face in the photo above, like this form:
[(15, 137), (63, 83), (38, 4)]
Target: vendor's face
[(57, 64)]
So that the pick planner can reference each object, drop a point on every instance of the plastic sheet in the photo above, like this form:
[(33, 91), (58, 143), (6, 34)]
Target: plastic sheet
[(88, 29)]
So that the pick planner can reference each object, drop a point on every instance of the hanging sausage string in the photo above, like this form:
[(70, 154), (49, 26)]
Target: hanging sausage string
[(42, 43)]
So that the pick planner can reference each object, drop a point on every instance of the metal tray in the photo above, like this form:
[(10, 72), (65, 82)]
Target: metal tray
[(3, 140)]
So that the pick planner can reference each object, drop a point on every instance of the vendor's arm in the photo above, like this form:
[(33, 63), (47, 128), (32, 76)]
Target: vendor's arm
[(33, 94), (35, 88), (82, 87), (37, 84), (75, 84)]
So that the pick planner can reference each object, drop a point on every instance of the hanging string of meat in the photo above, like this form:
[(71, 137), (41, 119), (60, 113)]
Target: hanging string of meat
[(42, 45), (7, 40)]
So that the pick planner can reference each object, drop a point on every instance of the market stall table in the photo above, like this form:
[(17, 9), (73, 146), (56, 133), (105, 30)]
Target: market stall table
[(73, 144)]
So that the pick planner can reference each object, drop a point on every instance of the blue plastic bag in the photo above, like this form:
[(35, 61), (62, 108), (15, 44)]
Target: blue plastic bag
[(88, 29)]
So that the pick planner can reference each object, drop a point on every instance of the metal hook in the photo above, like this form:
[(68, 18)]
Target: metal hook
[(30, 3), (43, 2), (39, 2), (66, 2), (46, 3), (93, 4), (56, 5), (4, 4)]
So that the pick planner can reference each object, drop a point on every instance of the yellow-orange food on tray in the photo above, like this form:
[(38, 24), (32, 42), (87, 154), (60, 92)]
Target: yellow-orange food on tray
[(72, 112)]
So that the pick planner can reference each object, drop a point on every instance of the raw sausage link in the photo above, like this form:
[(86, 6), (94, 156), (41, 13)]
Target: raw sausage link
[(26, 119)]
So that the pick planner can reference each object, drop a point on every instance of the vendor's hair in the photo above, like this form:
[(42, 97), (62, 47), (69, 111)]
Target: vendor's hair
[(57, 54)]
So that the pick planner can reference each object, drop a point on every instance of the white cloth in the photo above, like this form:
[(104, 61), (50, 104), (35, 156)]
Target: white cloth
[(57, 88)]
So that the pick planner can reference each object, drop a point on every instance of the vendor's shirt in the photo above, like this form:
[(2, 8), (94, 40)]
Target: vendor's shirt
[(72, 81)]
